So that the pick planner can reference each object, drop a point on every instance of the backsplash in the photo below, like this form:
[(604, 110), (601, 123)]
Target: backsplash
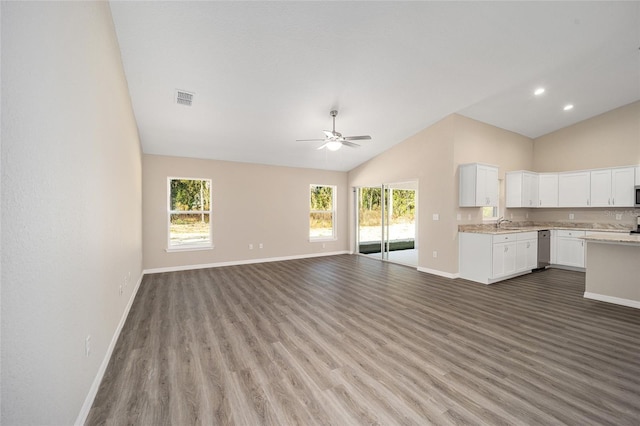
[(627, 216)]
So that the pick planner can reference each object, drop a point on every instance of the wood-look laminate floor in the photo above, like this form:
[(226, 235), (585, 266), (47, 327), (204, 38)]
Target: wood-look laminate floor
[(348, 340)]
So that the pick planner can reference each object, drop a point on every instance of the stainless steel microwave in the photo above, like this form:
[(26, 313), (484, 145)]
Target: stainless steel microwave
[(637, 195)]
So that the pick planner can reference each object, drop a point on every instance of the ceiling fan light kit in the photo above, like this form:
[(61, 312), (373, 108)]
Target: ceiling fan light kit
[(333, 140)]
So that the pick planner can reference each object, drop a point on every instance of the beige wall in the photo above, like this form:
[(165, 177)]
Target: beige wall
[(612, 271), (71, 205), (427, 157), (432, 156), (252, 204), (608, 140)]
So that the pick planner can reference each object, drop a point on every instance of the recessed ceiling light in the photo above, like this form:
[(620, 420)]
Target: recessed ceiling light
[(539, 91), (568, 107)]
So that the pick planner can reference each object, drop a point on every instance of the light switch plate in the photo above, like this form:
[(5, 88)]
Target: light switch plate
[(436, 216)]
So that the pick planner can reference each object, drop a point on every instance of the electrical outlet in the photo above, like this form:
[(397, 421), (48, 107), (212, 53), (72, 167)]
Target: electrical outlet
[(250, 246), (323, 245), (571, 216), (469, 216), (526, 216), (458, 216), (261, 245), (87, 346), (618, 216), (436, 216), (435, 254)]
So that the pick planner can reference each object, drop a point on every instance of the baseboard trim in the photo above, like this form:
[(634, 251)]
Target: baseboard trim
[(611, 299), (439, 273), (93, 391), (241, 262)]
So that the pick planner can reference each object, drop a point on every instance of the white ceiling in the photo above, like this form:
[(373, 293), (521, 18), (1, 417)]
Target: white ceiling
[(267, 73)]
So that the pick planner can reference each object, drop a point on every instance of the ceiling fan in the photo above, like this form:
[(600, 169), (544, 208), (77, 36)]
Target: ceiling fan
[(334, 140)]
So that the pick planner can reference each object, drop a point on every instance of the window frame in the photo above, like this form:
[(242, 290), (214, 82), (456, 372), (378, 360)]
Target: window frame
[(496, 210), (333, 211), (189, 247)]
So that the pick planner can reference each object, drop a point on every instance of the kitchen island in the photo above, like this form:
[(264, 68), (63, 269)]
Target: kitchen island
[(613, 268)]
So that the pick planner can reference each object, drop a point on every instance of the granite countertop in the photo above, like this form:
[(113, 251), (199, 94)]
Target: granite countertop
[(515, 227), (614, 238)]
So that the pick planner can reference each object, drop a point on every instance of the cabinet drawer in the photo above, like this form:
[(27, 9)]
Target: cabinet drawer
[(570, 234), (527, 236), (503, 238)]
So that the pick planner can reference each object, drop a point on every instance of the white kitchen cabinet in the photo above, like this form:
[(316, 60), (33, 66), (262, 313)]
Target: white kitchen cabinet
[(504, 258), (527, 251), (612, 187), (622, 187), (570, 248), (521, 189), (478, 185), (637, 175), (547, 190), (574, 189), (487, 258)]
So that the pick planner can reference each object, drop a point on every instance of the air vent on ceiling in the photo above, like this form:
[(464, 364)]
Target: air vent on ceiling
[(184, 98)]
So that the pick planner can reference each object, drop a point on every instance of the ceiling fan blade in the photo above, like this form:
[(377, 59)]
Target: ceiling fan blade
[(329, 133), (357, 138), (309, 140), (320, 147), (350, 144)]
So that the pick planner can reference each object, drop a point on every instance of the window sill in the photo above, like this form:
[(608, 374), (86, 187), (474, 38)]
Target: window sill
[(188, 248), (322, 240)]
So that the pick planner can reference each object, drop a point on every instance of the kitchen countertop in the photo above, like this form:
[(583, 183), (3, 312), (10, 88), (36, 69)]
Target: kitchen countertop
[(486, 228), (617, 238)]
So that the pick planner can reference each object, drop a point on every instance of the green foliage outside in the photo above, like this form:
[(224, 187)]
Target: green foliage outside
[(190, 195), (403, 206)]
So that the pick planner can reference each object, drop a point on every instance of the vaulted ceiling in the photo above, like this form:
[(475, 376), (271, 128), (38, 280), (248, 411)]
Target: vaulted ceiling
[(267, 73)]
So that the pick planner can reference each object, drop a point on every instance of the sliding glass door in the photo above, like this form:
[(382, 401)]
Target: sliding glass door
[(386, 222)]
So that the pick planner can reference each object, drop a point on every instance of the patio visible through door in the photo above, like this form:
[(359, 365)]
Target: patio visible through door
[(386, 222)]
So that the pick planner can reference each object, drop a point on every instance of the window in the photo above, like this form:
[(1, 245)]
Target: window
[(322, 224), (189, 213), (489, 213)]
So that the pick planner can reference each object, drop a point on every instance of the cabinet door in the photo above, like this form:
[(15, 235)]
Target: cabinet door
[(637, 175), (548, 190), (601, 188), (513, 189), (622, 187), (529, 190), (487, 186), (526, 255), (490, 185), (573, 189), (570, 252), (504, 259)]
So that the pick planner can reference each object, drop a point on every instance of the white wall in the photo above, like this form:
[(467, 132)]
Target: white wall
[(71, 204)]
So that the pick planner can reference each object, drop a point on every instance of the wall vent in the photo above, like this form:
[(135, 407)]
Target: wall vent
[(184, 98)]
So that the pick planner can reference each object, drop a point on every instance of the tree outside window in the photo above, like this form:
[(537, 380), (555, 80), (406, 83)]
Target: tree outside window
[(322, 212), (189, 213)]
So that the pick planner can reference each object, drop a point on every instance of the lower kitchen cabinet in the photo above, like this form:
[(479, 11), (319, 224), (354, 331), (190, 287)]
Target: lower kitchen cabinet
[(569, 248), (489, 258)]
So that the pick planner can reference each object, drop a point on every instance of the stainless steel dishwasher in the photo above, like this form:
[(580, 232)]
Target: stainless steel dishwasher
[(544, 249)]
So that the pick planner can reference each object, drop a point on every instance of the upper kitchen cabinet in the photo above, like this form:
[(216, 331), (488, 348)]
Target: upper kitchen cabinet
[(574, 189), (548, 190), (478, 185), (521, 189), (612, 187)]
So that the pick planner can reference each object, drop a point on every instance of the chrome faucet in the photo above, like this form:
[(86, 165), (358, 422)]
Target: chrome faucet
[(500, 221)]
